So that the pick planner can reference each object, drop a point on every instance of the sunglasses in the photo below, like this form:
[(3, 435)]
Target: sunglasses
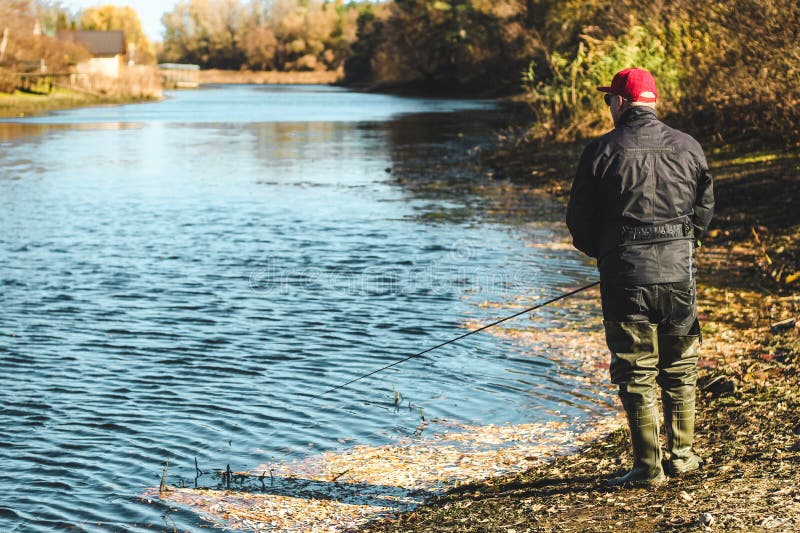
[(609, 96)]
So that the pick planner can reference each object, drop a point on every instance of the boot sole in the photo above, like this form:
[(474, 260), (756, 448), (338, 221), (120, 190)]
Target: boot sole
[(634, 483), (674, 471)]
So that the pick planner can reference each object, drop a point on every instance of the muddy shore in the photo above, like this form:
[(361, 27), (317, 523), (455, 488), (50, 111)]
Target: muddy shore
[(749, 397)]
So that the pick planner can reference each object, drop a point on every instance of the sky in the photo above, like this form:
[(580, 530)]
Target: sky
[(150, 11)]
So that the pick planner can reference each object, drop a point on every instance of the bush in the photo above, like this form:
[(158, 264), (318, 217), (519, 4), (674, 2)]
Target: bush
[(725, 69), (141, 82), (742, 77), (564, 95), (8, 82), (455, 46)]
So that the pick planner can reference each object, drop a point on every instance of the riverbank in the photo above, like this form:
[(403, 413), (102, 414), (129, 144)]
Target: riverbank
[(748, 421), (227, 77), (21, 104), (748, 430)]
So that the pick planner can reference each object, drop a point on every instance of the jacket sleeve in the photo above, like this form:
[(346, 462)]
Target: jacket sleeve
[(582, 209), (704, 201)]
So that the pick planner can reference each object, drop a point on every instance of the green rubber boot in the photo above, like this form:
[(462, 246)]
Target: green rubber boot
[(678, 378), (634, 367), (679, 426), (647, 470)]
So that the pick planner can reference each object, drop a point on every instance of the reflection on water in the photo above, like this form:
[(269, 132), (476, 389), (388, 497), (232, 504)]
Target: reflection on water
[(178, 279), (10, 131)]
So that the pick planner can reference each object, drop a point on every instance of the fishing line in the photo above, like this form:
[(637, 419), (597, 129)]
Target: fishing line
[(451, 341)]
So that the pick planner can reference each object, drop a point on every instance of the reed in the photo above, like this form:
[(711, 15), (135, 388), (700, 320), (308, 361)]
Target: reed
[(138, 82), (256, 77)]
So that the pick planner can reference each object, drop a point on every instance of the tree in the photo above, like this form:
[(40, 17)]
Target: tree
[(207, 32), (449, 44), (262, 34), (18, 19), (259, 45)]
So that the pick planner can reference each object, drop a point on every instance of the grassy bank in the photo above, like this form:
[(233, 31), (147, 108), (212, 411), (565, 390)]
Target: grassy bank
[(748, 416), (21, 104), (217, 76)]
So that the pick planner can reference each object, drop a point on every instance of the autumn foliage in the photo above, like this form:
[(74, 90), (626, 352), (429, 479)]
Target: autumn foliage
[(286, 35), (733, 64), (26, 34), (728, 68), (444, 46)]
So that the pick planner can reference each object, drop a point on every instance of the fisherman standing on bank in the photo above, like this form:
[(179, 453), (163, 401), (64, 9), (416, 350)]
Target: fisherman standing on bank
[(641, 199)]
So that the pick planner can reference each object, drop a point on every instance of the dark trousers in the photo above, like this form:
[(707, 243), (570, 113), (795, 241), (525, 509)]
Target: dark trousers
[(647, 330), (672, 306)]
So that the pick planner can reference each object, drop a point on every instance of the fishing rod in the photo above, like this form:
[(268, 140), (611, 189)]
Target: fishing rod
[(451, 341)]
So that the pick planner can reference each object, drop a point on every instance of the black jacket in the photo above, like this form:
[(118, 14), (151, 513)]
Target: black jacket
[(641, 198)]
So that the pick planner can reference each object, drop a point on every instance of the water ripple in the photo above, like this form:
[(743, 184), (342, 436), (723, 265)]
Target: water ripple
[(164, 297)]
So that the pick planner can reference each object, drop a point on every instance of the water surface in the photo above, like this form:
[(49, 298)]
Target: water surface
[(178, 279)]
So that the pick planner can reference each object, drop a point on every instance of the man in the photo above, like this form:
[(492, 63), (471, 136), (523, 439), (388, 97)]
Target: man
[(641, 199)]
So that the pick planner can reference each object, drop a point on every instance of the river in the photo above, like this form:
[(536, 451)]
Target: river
[(180, 278)]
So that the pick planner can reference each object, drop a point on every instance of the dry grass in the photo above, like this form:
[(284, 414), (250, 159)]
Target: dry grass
[(268, 77), (134, 84), (22, 104)]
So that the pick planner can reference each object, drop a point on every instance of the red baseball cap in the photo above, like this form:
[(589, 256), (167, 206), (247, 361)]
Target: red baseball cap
[(634, 84)]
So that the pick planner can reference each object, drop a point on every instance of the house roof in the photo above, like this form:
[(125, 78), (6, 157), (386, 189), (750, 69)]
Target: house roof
[(99, 43)]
